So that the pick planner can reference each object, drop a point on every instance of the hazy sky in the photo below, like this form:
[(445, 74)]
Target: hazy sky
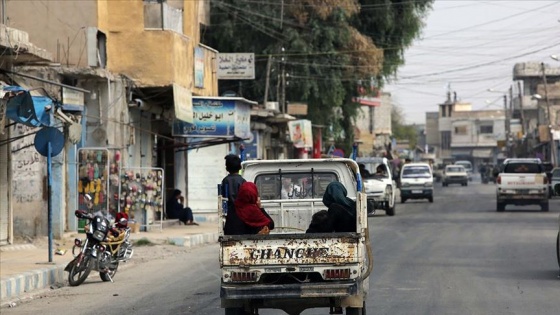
[(472, 46)]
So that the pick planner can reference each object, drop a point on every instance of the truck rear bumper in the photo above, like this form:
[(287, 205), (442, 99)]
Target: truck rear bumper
[(522, 199), (287, 291)]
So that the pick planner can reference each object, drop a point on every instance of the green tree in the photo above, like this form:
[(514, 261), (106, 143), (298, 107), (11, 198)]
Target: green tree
[(326, 48), (402, 131)]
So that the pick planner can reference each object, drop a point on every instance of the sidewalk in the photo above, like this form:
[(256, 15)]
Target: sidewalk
[(25, 267)]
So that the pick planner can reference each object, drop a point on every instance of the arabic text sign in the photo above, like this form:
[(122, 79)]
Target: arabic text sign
[(236, 66), (216, 118)]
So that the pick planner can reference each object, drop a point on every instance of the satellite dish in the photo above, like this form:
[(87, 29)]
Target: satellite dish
[(46, 135)]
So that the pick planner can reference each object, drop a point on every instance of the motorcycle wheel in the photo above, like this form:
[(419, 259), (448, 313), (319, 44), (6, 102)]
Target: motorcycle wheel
[(78, 274), (107, 276)]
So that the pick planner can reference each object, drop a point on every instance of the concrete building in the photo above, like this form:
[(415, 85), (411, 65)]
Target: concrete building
[(373, 125), (533, 111), (141, 62)]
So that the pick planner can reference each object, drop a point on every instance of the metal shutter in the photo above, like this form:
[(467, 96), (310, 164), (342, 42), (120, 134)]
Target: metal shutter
[(4, 192)]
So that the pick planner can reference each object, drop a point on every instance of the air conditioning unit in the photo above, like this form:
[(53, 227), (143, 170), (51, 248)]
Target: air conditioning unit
[(273, 106)]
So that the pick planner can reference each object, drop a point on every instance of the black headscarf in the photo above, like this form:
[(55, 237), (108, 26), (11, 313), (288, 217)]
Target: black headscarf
[(336, 193)]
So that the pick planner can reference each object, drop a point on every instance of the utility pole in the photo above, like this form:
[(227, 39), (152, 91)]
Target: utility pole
[(551, 140), (506, 114), (268, 65), (521, 111)]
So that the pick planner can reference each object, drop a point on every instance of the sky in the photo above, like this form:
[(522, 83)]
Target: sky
[(470, 47)]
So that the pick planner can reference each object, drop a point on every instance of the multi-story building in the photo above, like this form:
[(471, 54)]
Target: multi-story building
[(373, 125), (140, 62), (534, 103)]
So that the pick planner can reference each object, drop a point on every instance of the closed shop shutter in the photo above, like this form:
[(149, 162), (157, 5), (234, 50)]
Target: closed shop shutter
[(4, 192)]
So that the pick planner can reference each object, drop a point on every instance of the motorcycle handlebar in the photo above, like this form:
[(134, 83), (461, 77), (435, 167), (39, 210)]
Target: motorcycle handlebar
[(81, 214)]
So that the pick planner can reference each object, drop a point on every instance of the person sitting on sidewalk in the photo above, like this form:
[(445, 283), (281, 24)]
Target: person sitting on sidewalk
[(176, 210)]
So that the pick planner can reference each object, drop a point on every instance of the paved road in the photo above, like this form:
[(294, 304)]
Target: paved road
[(455, 256)]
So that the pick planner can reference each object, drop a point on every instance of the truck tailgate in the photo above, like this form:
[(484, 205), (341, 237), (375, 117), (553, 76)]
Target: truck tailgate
[(522, 181), (286, 249)]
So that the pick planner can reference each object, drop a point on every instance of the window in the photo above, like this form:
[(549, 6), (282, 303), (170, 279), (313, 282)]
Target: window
[(416, 172), (523, 168), (461, 130), (487, 129), (293, 185)]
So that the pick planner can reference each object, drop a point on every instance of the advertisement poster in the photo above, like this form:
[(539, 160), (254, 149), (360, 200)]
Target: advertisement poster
[(198, 67), (300, 133)]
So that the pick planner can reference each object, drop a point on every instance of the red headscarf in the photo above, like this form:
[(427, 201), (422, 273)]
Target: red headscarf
[(246, 206)]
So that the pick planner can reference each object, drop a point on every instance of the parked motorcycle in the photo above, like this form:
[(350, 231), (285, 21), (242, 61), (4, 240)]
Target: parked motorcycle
[(102, 249)]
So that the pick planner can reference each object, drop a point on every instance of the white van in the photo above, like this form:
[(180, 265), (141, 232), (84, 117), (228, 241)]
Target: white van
[(417, 182), (468, 166)]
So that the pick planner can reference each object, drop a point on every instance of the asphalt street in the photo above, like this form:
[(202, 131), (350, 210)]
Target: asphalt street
[(454, 256)]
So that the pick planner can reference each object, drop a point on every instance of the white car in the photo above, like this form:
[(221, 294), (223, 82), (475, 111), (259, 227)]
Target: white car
[(558, 244), (454, 174), (380, 187), (417, 182), (468, 166)]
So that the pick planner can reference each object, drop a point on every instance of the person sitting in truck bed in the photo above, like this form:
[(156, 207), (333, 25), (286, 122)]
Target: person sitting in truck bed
[(249, 210), (341, 209)]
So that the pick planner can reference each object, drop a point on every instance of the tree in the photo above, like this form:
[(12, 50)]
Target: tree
[(400, 130), (325, 48)]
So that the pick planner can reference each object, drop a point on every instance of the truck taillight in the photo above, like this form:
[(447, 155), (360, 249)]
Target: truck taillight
[(499, 180), (243, 276), (334, 274)]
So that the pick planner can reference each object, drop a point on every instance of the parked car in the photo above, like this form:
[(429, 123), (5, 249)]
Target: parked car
[(468, 166), (417, 182), (454, 174), (380, 188), (558, 244), (555, 182)]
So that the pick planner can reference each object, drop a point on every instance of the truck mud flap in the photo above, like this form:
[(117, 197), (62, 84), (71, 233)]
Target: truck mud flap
[(234, 292)]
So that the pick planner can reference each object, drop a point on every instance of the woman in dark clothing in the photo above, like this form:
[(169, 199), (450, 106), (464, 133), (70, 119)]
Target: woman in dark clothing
[(342, 210), (249, 210), (175, 210), (230, 186)]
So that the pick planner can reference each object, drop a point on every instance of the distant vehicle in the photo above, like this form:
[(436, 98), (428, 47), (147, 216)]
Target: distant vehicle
[(417, 182), (454, 174), (380, 188), (522, 182), (468, 166), (555, 182)]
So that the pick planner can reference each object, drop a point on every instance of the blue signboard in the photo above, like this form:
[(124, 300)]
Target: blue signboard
[(251, 146), (216, 117)]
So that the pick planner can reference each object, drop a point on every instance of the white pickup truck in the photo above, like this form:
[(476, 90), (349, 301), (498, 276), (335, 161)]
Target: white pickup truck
[(522, 182), (290, 269)]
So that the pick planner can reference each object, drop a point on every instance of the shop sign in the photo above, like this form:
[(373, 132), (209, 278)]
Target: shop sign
[(217, 117), (72, 100), (236, 66), (182, 99)]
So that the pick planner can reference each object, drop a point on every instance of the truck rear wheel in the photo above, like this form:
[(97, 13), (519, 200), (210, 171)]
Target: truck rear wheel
[(500, 206), (544, 206), (356, 310), (235, 311)]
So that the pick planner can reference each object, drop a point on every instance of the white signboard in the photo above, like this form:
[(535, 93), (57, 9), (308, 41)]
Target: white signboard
[(236, 66), (182, 98)]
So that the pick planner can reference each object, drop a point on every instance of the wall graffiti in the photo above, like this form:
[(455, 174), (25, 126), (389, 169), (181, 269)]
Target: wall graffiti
[(28, 166)]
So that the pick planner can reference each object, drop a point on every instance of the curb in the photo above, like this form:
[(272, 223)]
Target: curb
[(14, 286), (194, 240)]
